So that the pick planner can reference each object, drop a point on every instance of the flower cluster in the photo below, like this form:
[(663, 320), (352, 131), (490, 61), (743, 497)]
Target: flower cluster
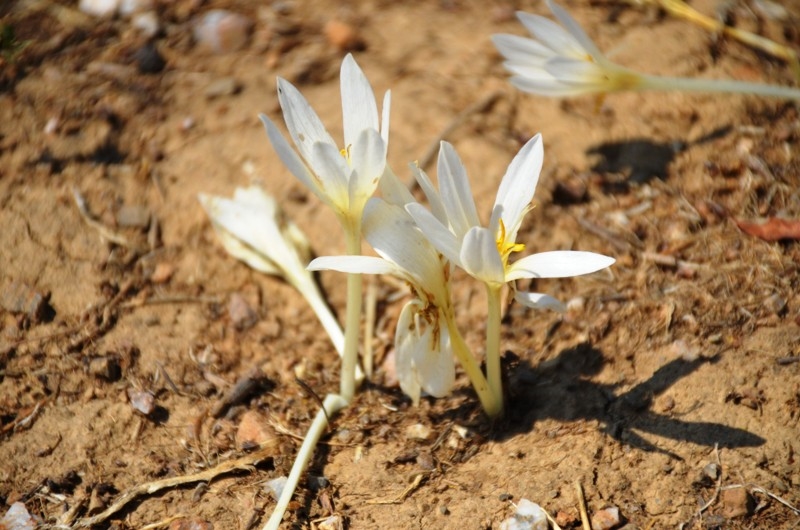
[(417, 244)]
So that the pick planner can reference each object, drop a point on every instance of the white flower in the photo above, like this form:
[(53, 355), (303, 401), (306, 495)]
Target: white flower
[(563, 61), (560, 61), (252, 228), (343, 176), (422, 342), (455, 230)]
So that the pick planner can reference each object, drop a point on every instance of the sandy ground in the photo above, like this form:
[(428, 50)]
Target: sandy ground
[(681, 357)]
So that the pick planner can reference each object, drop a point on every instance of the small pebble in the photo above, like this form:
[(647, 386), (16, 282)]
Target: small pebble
[(162, 273), (334, 522), (529, 516), (275, 487), (418, 431), (18, 518), (775, 304), (736, 502), (129, 7), (606, 519), (222, 31), (147, 23), (142, 401), (148, 59), (253, 430), (133, 217), (226, 86), (343, 36), (317, 483), (99, 8), (241, 314)]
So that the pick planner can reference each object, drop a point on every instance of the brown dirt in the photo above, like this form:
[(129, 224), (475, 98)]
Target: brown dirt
[(627, 394)]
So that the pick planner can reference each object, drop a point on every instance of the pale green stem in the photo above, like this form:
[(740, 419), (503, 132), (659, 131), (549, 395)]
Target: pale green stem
[(310, 291), (651, 82), (369, 328), (492, 403), (493, 374), (353, 316), (333, 403)]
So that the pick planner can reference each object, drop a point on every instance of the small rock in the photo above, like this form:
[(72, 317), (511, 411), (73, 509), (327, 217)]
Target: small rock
[(317, 483), (737, 502), (194, 523), (142, 401), (529, 516), (418, 431), (570, 191), (241, 314), (566, 520), (226, 86), (775, 304), (133, 217), (19, 297), (162, 273), (18, 518), (253, 430), (606, 519), (129, 7), (99, 8), (222, 31), (275, 486), (148, 59), (343, 36), (147, 23), (334, 522)]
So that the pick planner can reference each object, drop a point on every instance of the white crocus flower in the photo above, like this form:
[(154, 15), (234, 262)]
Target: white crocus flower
[(344, 175), (426, 337), (253, 229), (484, 252), (562, 61)]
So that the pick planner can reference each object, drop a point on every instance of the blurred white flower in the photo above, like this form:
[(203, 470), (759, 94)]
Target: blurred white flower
[(253, 229), (342, 176), (561, 61), (483, 252), (422, 341)]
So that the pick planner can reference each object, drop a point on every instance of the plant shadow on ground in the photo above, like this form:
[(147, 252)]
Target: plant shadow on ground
[(561, 389), (640, 160)]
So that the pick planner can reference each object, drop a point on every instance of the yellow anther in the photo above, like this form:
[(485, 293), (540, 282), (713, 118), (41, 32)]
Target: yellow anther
[(505, 248), (345, 152)]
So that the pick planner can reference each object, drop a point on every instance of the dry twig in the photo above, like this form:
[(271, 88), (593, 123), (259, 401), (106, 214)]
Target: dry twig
[(582, 506)]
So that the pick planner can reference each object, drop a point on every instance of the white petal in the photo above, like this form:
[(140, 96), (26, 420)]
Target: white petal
[(359, 111), (392, 189), (387, 103), (549, 87), (553, 36), (393, 235), (406, 338), (435, 363), (290, 159), (455, 191), (540, 301), (354, 265), (304, 125), (333, 172), (518, 185), (439, 235), (581, 73), (434, 200), (521, 49), (558, 264), (575, 30), (368, 160), (479, 256)]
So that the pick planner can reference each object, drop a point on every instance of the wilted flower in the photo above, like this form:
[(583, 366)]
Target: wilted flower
[(563, 61), (253, 229)]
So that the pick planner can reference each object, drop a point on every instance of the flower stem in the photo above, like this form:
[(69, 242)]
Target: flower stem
[(310, 291), (353, 316), (494, 293), (333, 403), (652, 82), (492, 403)]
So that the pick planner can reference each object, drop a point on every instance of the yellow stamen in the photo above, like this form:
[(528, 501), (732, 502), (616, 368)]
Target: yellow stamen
[(505, 248), (346, 153)]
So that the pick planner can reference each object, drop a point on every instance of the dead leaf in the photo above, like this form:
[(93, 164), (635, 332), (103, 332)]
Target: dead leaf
[(773, 229)]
